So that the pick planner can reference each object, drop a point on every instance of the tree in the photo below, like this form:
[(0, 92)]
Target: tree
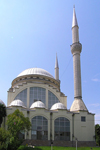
[(4, 139), (97, 133), (7, 141), (2, 113), (17, 123)]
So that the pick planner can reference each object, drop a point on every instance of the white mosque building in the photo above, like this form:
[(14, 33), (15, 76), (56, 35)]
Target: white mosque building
[(37, 94)]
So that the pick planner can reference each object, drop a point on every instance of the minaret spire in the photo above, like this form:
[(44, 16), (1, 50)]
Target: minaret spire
[(74, 22), (76, 47), (75, 28), (56, 69), (56, 63)]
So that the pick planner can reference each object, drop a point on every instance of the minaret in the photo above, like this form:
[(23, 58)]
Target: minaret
[(56, 69), (76, 48)]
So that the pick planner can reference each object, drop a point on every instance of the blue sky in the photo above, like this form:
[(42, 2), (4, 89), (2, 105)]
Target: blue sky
[(33, 31)]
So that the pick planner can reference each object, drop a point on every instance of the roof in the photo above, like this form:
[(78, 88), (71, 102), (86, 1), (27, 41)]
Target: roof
[(77, 105), (38, 104), (58, 106), (35, 71), (17, 102)]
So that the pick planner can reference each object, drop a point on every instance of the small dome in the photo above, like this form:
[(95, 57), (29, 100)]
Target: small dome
[(17, 102), (58, 106), (35, 71), (38, 104), (1, 102)]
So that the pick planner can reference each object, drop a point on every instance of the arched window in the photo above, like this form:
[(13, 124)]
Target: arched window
[(22, 96), (37, 93), (62, 129), (39, 128), (52, 99)]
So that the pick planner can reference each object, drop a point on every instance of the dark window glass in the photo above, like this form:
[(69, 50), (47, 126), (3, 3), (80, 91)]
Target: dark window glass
[(39, 128), (83, 118), (22, 96), (37, 93), (52, 99), (62, 129)]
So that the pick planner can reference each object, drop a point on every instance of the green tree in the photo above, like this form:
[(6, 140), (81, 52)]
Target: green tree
[(7, 141), (2, 113), (4, 138), (97, 134), (17, 123)]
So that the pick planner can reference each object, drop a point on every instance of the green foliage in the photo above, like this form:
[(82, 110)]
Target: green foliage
[(2, 112), (7, 142), (97, 134), (4, 139), (14, 143), (17, 122), (23, 147)]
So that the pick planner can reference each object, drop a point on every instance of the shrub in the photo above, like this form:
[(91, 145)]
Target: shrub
[(4, 139), (23, 147), (14, 143)]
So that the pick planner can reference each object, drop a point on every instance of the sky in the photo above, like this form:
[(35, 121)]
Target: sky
[(33, 31)]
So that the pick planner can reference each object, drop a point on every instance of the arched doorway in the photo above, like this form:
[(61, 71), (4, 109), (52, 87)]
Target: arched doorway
[(62, 129), (39, 128)]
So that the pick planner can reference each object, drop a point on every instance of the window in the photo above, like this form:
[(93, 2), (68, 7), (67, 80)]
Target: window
[(39, 128), (83, 118), (22, 96), (21, 135), (62, 129), (52, 99), (37, 93)]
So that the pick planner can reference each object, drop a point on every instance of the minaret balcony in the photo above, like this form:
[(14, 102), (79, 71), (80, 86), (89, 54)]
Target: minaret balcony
[(76, 48)]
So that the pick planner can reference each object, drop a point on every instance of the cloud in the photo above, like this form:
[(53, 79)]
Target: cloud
[(96, 77), (96, 80), (97, 119), (96, 104), (85, 81), (97, 115)]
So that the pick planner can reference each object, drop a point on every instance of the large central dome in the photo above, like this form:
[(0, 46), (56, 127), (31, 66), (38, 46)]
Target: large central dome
[(35, 71)]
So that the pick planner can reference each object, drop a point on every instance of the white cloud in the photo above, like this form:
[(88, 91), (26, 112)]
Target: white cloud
[(85, 81), (96, 104), (97, 118), (97, 115), (96, 80)]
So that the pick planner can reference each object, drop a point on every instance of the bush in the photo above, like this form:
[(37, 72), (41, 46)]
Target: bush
[(7, 141), (14, 143), (4, 139), (23, 147)]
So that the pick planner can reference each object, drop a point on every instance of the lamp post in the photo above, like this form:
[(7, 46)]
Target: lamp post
[(51, 145), (76, 143)]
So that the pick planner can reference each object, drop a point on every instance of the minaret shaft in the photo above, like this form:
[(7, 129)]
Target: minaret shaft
[(75, 37), (57, 73), (77, 76), (56, 69), (76, 50), (76, 47)]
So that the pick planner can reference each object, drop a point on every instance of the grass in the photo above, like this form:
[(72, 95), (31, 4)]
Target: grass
[(64, 148)]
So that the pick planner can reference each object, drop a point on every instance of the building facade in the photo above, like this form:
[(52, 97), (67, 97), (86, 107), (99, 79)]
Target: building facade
[(37, 94)]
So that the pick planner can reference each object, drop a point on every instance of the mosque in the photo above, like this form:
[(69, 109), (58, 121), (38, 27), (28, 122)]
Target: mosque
[(37, 94)]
